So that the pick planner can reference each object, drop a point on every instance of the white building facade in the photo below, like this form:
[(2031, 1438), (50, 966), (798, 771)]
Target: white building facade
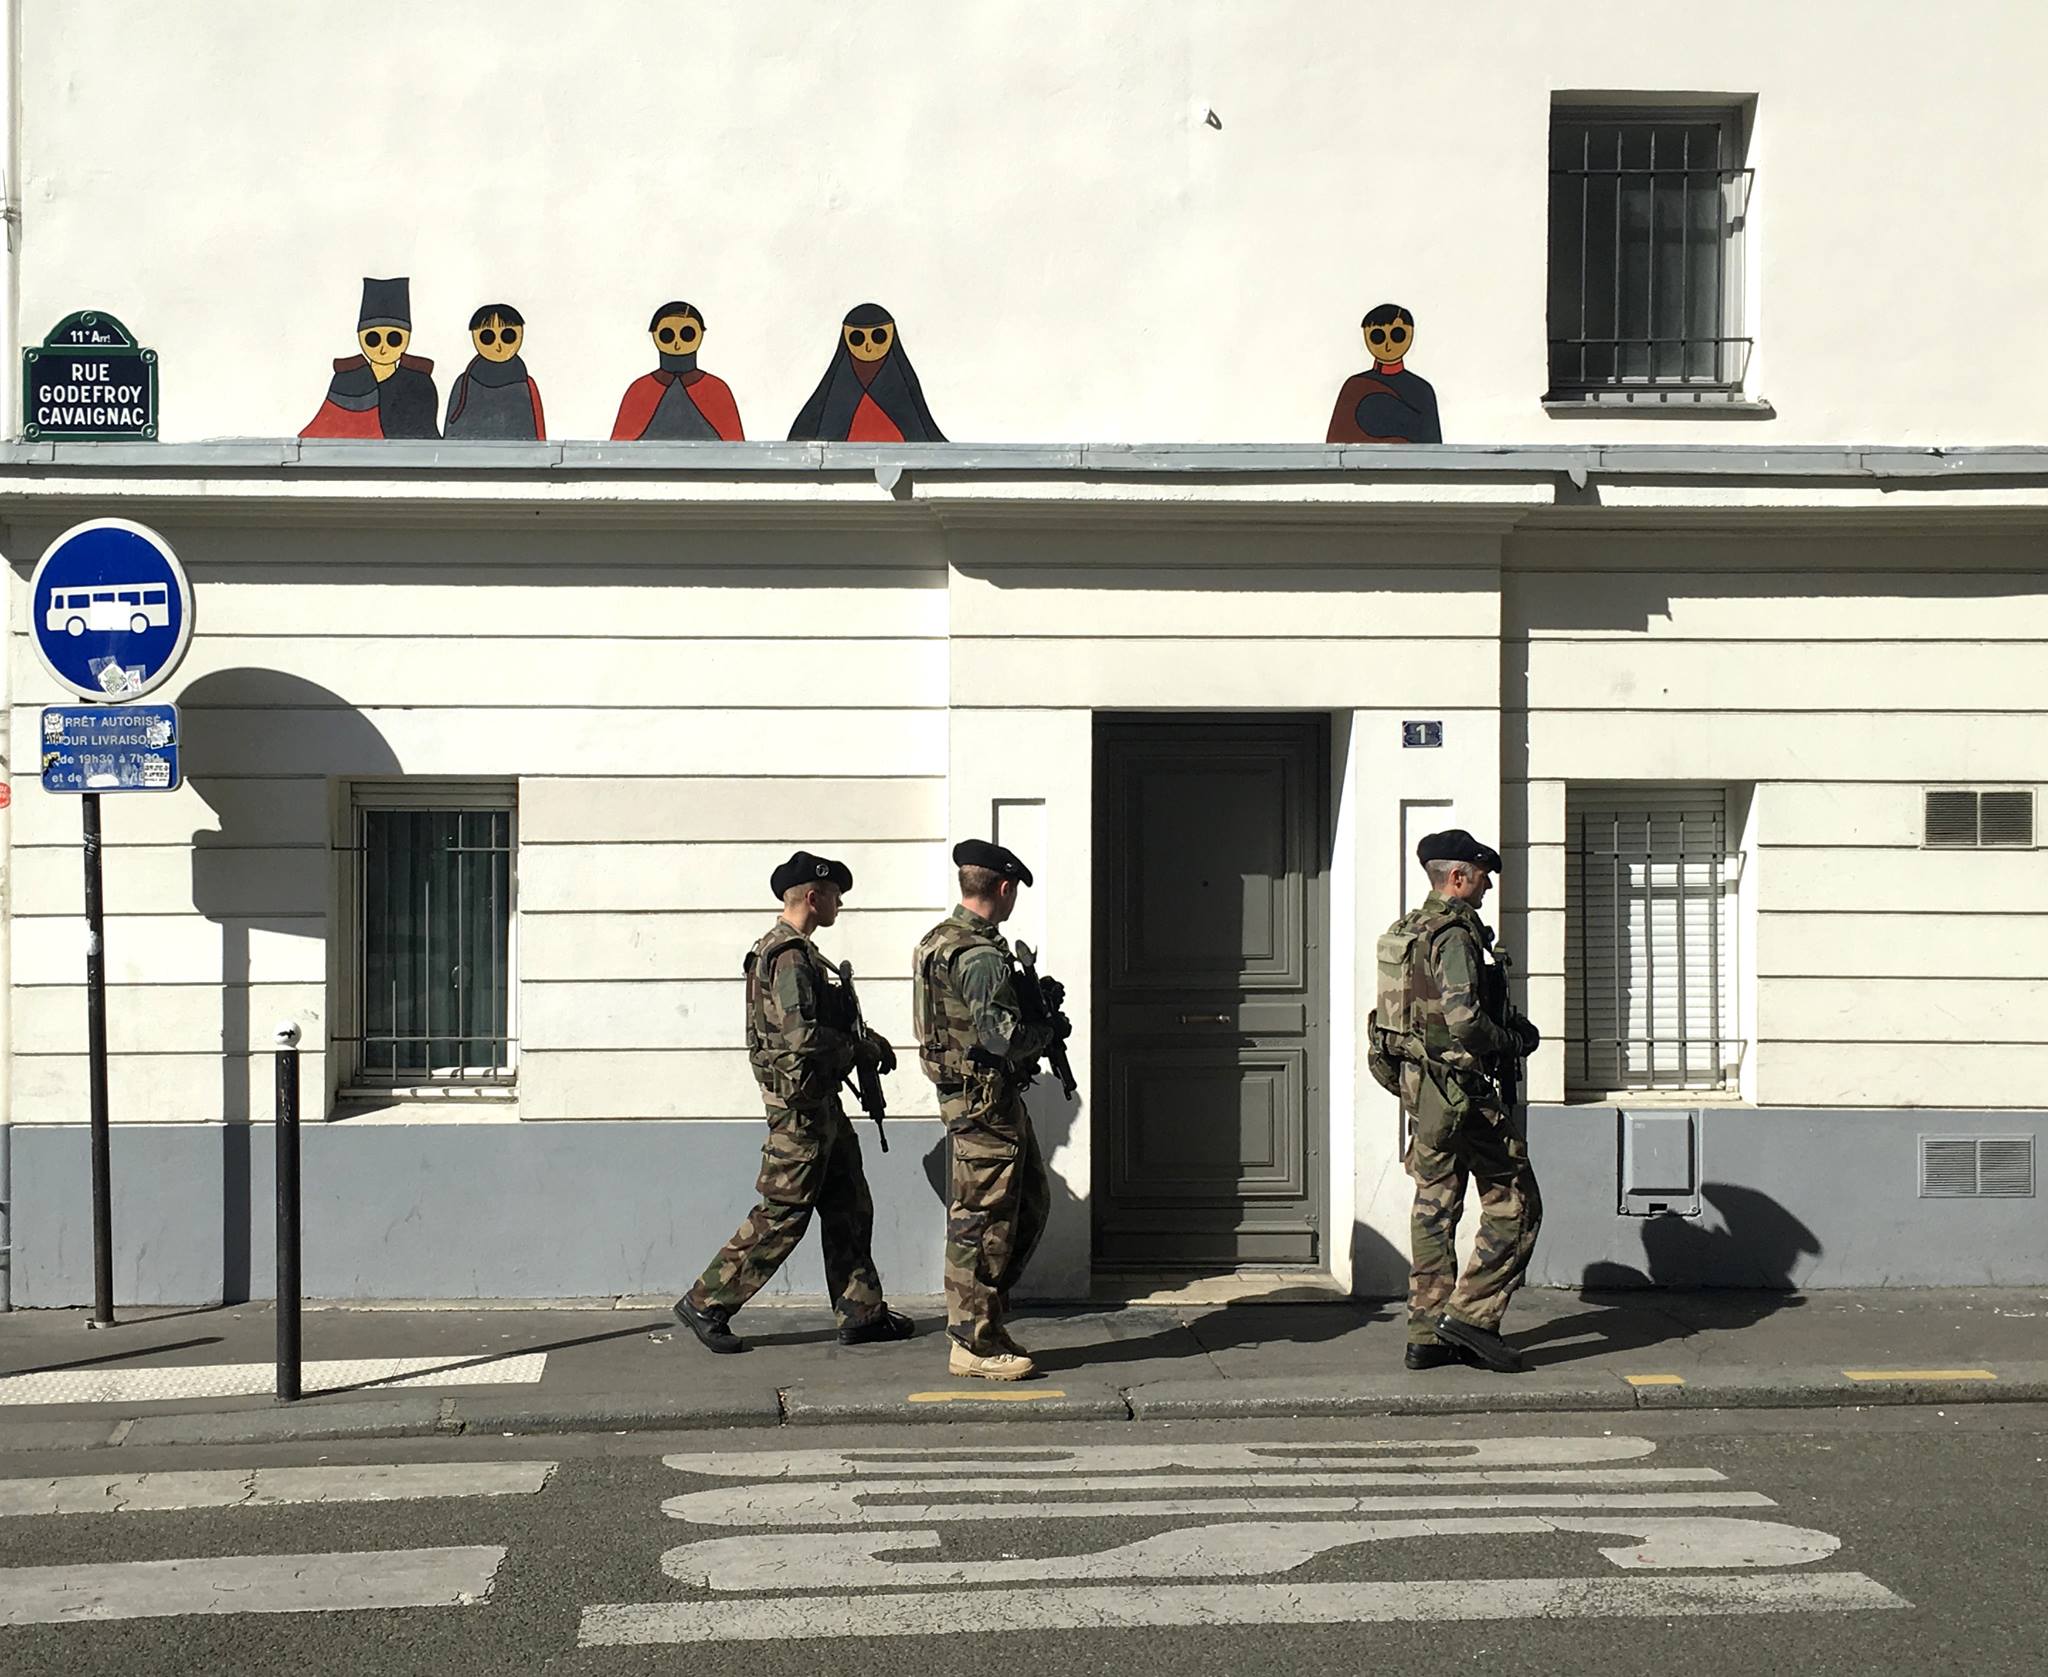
[(1721, 605)]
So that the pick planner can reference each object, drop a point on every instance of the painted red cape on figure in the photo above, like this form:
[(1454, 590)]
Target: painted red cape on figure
[(716, 413)]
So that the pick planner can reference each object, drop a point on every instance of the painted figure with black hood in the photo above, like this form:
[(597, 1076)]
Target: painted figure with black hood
[(870, 393), (494, 399), (382, 392)]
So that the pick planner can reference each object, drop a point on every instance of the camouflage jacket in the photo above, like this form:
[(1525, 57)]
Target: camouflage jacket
[(964, 999), (800, 1038), (1446, 986)]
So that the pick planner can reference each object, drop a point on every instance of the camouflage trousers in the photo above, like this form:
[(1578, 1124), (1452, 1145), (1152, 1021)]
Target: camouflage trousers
[(1460, 1138), (1000, 1197), (810, 1162)]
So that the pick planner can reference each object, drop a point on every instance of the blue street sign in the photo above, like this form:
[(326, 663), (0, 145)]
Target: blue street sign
[(110, 748), (110, 609)]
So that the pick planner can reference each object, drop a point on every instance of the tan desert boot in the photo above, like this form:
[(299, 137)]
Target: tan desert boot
[(1002, 1365)]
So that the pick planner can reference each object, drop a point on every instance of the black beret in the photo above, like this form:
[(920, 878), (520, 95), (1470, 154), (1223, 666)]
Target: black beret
[(1457, 845), (805, 869), (979, 853)]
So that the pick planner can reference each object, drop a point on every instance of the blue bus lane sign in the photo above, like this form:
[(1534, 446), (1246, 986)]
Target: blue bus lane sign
[(110, 610)]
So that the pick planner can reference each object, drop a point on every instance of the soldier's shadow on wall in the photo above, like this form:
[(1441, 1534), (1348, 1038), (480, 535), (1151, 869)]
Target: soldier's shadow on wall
[(1053, 1117), (261, 749), (1707, 1276)]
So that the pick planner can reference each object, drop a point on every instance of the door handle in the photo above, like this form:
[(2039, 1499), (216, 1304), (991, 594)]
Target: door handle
[(1207, 1019)]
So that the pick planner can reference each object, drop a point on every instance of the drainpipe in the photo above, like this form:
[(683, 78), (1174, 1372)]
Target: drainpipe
[(10, 214), (10, 410)]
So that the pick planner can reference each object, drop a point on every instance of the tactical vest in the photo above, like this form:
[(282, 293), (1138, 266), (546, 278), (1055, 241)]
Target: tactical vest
[(1410, 1002), (945, 1026), (759, 967)]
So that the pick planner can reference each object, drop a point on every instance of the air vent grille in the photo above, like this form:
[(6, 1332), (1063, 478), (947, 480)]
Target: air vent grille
[(1957, 818), (2006, 818), (1976, 1167)]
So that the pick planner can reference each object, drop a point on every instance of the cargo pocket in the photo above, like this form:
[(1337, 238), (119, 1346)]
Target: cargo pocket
[(985, 1160), (792, 1160)]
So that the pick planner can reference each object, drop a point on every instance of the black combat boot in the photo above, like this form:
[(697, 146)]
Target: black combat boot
[(1487, 1347), (1434, 1355), (709, 1323), (885, 1324)]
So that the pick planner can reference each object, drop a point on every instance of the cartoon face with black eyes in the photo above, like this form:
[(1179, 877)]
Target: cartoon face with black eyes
[(1389, 340), (678, 331)]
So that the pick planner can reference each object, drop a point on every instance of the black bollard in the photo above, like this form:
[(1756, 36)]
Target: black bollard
[(287, 1171)]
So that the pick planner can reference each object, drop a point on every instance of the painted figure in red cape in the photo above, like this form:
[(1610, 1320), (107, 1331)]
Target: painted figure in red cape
[(1387, 403), (495, 399), (678, 402), (383, 392), (869, 393)]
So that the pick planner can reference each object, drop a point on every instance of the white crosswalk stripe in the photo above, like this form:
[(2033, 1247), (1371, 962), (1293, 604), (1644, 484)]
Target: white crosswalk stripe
[(269, 1487), (219, 1380), (459, 1576), (802, 1530), (48, 1595)]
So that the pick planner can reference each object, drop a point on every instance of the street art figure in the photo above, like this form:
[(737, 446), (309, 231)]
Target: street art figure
[(494, 399), (382, 392), (678, 402), (870, 393), (1386, 404)]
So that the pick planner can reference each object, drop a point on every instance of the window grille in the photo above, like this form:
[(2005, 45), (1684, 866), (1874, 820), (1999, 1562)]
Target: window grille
[(1646, 212), (433, 883), (1650, 945), (1962, 818)]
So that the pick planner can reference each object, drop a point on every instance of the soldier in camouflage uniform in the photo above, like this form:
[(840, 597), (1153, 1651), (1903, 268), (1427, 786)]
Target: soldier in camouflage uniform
[(801, 1040), (1435, 1040), (976, 1044)]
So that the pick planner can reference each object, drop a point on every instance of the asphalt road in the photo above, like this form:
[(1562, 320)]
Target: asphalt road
[(1881, 1540)]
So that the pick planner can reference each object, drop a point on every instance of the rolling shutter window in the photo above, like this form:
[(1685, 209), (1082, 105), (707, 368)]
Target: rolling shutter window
[(1649, 939)]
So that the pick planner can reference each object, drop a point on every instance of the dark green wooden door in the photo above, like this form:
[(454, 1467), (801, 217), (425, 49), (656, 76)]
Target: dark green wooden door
[(1210, 991)]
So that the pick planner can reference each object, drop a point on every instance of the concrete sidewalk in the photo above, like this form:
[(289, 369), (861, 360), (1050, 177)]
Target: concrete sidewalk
[(203, 1376)]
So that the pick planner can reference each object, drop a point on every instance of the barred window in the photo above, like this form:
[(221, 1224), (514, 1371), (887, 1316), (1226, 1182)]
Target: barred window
[(1650, 939), (431, 887), (1646, 214)]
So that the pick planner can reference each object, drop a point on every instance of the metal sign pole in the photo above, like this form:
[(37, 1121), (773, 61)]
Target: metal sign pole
[(286, 1138), (110, 611), (96, 1053)]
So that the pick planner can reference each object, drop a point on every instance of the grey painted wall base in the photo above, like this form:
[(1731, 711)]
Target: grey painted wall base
[(437, 1210), (1792, 1198), (596, 1209)]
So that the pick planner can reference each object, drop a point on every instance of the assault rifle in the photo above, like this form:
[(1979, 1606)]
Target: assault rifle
[(865, 1079), (1039, 998), (1500, 1008)]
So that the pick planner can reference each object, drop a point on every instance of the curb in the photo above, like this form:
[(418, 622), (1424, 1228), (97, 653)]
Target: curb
[(1458, 1392), (1450, 1392), (1053, 1399)]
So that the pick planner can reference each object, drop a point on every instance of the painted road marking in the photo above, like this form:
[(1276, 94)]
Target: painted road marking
[(983, 1397), (794, 1531), (1654, 1379), (49, 1595), (1919, 1374), (1238, 1549), (269, 1487), (217, 1380), (923, 1461), (838, 1503), (780, 1618)]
